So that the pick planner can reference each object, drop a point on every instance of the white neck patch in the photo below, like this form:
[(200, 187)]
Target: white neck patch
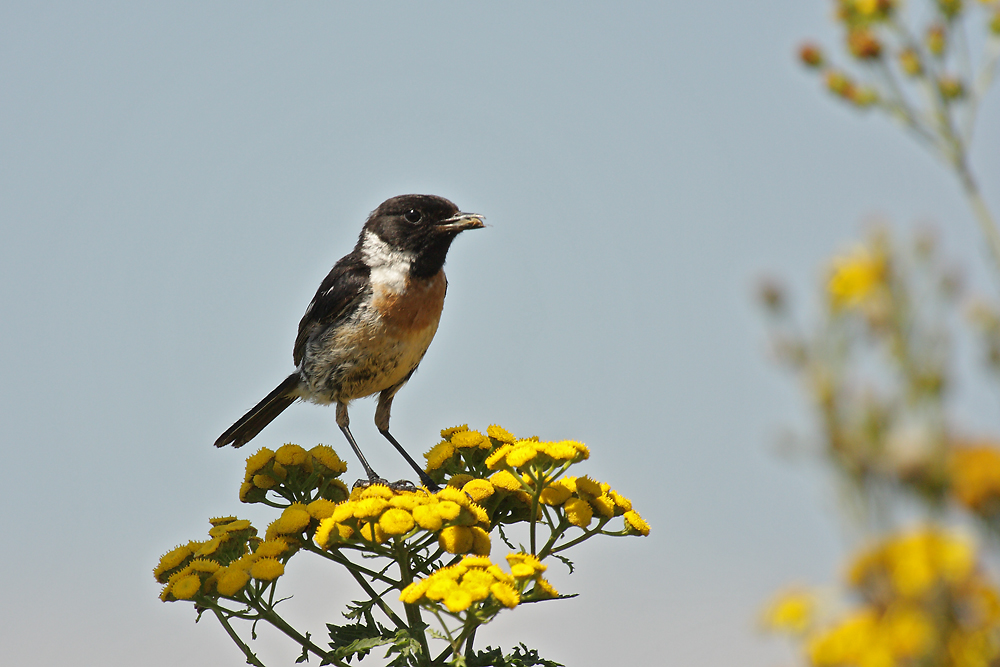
[(389, 268)]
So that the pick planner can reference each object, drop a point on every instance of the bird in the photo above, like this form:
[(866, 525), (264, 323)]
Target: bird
[(371, 321)]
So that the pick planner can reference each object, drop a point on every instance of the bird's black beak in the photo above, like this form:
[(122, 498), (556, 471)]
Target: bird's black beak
[(460, 222)]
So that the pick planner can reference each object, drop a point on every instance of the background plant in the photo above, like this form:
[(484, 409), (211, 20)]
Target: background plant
[(878, 365)]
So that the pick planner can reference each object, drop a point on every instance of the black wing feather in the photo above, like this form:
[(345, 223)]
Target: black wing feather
[(346, 283)]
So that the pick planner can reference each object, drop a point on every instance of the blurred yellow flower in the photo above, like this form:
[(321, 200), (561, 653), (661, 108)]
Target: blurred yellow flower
[(792, 611), (854, 277)]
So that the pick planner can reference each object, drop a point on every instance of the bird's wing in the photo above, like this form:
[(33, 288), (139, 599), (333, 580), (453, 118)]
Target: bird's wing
[(343, 286)]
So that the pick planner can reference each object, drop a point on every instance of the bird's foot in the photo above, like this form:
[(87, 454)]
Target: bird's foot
[(399, 485)]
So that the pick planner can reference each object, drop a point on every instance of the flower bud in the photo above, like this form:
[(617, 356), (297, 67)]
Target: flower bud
[(863, 44), (935, 39), (909, 62), (811, 55)]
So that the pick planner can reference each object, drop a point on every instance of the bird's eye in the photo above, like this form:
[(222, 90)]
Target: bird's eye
[(412, 216)]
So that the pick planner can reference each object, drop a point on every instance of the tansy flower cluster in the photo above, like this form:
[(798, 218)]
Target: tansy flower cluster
[(477, 584), (925, 601), (294, 474), (377, 513), (223, 565)]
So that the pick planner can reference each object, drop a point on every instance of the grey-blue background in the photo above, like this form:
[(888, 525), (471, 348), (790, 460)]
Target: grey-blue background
[(176, 179)]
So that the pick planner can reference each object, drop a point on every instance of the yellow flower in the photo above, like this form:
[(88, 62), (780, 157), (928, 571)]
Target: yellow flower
[(505, 594), (855, 277), (321, 508), (792, 611), (500, 434), (231, 580), (578, 512), (186, 587), (846, 643), (543, 589), (271, 548), (395, 521), (588, 485), (466, 439), (171, 560), (521, 454), (450, 493), (428, 518), (447, 432), (407, 501), (257, 461), (343, 511), (327, 457), (456, 539), (908, 631), (621, 502), (480, 541), (267, 569), (375, 491), (524, 565), (373, 533), (412, 593), (635, 525), (458, 599), (555, 494), (560, 451), (478, 489), (290, 455), (975, 475), (447, 510), (504, 480), (264, 481), (439, 455), (498, 456), (603, 505), (370, 508), (204, 565), (293, 519)]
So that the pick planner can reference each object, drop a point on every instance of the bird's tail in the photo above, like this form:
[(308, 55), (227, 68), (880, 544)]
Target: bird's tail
[(261, 415)]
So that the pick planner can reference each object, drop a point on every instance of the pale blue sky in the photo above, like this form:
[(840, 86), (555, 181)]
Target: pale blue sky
[(176, 179)]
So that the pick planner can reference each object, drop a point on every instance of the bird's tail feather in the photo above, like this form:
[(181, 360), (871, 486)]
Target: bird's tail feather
[(262, 414)]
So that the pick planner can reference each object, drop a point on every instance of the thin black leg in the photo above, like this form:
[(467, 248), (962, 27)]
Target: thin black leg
[(424, 477), (372, 476)]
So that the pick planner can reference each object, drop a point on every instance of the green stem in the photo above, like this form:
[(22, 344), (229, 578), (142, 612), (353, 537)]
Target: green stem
[(987, 224), (251, 658), (587, 534)]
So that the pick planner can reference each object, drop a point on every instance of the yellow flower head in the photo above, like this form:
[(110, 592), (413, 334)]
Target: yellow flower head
[(478, 489), (428, 518), (267, 569), (481, 544), (588, 486), (522, 453), (321, 508), (186, 587), (458, 599), (231, 580), (555, 494), (544, 590), (171, 560), (792, 611), (256, 462), (291, 455), (448, 432), (524, 565), (457, 496), (621, 502), (498, 456), (975, 476), (439, 455), (370, 508), (855, 277), (272, 548), (504, 480), (293, 519), (395, 521), (578, 512), (372, 532), (467, 439), (325, 456), (457, 539), (500, 434), (634, 524), (505, 594)]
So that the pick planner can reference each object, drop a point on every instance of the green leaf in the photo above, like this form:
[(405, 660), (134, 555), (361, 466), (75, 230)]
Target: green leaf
[(522, 656)]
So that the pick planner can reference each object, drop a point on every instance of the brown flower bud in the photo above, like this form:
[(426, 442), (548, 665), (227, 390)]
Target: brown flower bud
[(863, 44), (811, 55), (951, 87)]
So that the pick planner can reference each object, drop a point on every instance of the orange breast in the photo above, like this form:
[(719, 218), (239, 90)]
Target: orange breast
[(413, 309)]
